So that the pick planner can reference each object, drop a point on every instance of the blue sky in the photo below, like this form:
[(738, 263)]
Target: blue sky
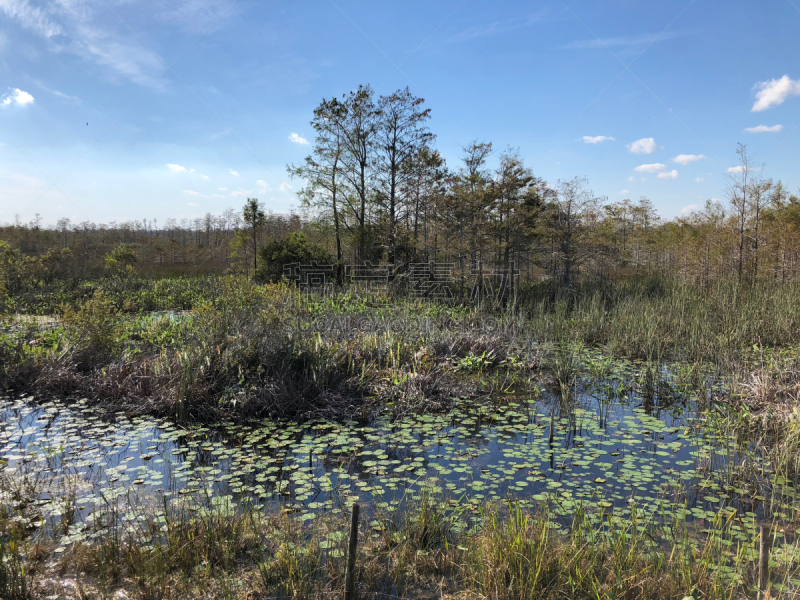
[(193, 107)]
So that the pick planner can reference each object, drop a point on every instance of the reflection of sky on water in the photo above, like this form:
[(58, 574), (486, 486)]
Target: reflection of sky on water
[(603, 456)]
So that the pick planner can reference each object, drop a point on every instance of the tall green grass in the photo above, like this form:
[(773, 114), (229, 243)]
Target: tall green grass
[(658, 317), (508, 552)]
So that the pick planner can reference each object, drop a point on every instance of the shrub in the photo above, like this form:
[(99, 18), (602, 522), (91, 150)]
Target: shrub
[(95, 325), (121, 259), (295, 248)]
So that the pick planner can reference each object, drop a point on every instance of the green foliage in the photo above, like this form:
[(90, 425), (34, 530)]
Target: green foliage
[(94, 326), (120, 260), (13, 582), (5, 300), (295, 248), (19, 273)]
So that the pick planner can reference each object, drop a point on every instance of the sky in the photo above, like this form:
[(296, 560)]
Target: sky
[(115, 110)]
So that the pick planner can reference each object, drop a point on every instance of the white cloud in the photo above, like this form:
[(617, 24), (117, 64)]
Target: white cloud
[(690, 209), (204, 176), (700, 179), (624, 192), (58, 94), (285, 187), (774, 92), (82, 29), (18, 96), (651, 168), (176, 168), (597, 139), (31, 17), (192, 204), (262, 183), (241, 193), (199, 195), (736, 169), (494, 28), (117, 55), (630, 42), (631, 178), (235, 173), (764, 129), (298, 139), (643, 146), (223, 189), (668, 175), (685, 159)]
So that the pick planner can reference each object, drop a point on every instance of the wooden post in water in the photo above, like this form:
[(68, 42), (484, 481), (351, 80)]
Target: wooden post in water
[(352, 551), (763, 560)]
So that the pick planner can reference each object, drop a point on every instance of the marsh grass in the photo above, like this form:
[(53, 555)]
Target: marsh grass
[(13, 581), (245, 350), (232, 356), (507, 551)]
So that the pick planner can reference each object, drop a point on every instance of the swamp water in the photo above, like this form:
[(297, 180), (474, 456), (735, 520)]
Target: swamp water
[(609, 455)]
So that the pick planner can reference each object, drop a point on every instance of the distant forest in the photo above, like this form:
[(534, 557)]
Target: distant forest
[(375, 189)]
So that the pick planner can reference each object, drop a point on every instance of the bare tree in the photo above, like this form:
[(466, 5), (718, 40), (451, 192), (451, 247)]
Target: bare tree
[(573, 213), (323, 169), (738, 194), (360, 127), (401, 132)]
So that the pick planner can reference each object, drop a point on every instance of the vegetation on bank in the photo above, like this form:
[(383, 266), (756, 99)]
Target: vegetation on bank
[(229, 348), (514, 554)]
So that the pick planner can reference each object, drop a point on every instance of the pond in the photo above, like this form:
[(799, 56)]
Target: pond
[(608, 451)]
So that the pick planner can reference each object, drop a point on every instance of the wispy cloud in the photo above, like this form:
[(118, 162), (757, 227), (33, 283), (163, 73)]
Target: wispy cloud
[(495, 28), (17, 96), (285, 187), (116, 54), (84, 30), (700, 179), (625, 43), (764, 129), (668, 175), (176, 168), (298, 139), (774, 92), (241, 193), (597, 139), (736, 169), (31, 17), (56, 93), (201, 195), (651, 168), (643, 146), (685, 159), (234, 173), (195, 15)]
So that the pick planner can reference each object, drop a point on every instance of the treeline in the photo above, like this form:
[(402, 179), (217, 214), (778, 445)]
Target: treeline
[(212, 243), (375, 189)]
